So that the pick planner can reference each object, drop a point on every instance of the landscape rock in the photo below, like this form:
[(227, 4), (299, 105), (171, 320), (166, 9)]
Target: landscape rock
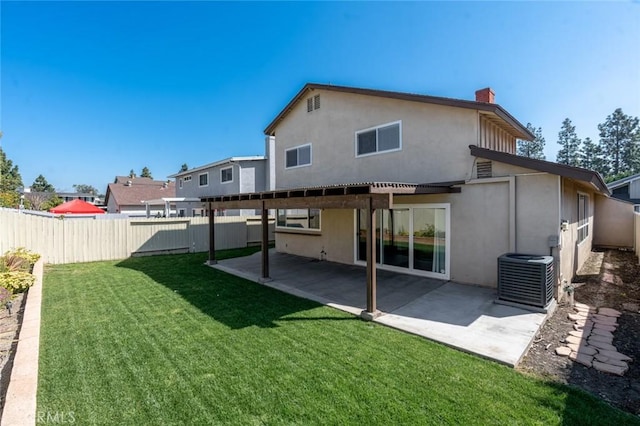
[(602, 345), (607, 368), (614, 355), (611, 361), (605, 327), (563, 351), (581, 358), (581, 306), (631, 307), (577, 317), (603, 339), (602, 319), (576, 340), (587, 350), (581, 334), (600, 332), (609, 312)]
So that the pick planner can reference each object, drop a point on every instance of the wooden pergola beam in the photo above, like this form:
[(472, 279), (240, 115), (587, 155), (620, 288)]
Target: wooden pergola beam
[(350, 201)]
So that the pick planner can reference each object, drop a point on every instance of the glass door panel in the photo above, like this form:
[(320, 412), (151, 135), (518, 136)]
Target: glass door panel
[(362, 234), (429, 239), (395, 237)]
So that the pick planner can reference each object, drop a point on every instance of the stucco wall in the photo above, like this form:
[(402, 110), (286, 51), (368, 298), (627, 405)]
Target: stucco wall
[(572, 255), (336, 238), (537, 212), (435, 141), (613, 223)]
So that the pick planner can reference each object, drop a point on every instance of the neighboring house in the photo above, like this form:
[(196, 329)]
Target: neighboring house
[(459, 196), (233, 175), (627, 189), (70, 196), (126, 195)]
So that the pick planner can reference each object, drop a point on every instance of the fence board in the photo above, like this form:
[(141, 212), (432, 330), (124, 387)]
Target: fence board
[(87, 239)]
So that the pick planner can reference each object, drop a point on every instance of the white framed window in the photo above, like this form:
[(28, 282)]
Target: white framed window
[(181, 212), (180, 183), (375, 140), (636, 208), (226, 175), (203, 179), (583, 217), (298, 156), (303, 219), (187, 178)]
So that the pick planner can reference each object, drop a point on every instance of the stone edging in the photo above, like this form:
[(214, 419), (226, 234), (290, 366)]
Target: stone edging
[(20, 402), (591, 341)]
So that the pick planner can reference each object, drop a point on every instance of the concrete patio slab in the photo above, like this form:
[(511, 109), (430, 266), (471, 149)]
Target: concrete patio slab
[(461, 316)]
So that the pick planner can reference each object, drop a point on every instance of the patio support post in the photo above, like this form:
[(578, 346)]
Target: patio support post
[(265, 243), (212, 237), (371, 312)]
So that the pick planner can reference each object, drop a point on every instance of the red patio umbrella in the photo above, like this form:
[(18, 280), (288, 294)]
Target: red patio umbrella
[(76, 207)]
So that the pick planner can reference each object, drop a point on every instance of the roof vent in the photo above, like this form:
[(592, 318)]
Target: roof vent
[(128, 183)]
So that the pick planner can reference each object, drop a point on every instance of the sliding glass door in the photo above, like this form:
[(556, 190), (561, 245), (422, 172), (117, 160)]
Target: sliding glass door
[(410, 237)]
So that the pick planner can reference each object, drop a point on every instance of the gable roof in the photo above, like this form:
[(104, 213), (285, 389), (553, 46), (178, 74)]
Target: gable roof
[(139, 190), (516, 127), (622, 182), (218, 163), (576, 173)]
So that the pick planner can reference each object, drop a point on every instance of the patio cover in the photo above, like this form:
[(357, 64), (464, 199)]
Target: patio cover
[(76, 207), (368, 196)]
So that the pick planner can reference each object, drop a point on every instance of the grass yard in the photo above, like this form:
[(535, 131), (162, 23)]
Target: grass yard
[(167, 340)]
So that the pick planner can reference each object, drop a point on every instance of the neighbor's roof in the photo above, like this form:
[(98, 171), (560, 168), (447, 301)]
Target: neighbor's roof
[(516, 127), (140, 189), (218, 163), (623, 182), (576, 173)]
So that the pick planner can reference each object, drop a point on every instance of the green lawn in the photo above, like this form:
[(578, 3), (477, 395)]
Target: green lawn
[(167, 340)]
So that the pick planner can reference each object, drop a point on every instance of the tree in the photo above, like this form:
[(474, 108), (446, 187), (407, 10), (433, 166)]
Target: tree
[(620, 142), (41, 185), (535, 148), (146, 173), (10, 181), (593, 157), (10, 178), (567, 138), (132, 174), (85, 189), (183, 168), (41, 200)]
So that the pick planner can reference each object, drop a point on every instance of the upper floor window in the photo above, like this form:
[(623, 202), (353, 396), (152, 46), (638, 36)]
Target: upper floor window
[(226, 175), (180, 183), (187, 178), (384, 138), (298, 156), (583, 217), (203, 179)]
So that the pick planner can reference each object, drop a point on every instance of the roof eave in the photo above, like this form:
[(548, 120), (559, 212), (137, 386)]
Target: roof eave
[(584, 175)]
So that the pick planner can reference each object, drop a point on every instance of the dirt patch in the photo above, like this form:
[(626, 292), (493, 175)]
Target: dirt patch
[(608, 279)]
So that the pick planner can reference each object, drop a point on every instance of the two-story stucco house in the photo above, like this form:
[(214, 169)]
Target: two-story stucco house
[(233, 175), (627, 189), (421, 185)]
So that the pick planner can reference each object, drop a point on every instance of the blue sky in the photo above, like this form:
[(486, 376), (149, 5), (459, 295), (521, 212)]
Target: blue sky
[(91, 90)]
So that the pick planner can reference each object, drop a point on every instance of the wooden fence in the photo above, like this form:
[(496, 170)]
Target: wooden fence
[(66, 240)]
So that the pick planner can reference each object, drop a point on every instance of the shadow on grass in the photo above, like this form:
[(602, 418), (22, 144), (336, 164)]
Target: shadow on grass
[(231, 300)]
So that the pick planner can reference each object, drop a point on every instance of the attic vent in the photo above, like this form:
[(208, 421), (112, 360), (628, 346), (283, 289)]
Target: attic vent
[(313, 103), (484, 169)]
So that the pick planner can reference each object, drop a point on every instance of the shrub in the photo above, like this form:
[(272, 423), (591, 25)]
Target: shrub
[(11, 262), (16, 281), (23, 253)]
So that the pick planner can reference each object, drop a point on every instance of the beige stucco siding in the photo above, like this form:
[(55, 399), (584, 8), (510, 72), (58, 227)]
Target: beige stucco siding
[(435, 141), (336, 238), (573, 255), (537, 212), (613, 223)]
